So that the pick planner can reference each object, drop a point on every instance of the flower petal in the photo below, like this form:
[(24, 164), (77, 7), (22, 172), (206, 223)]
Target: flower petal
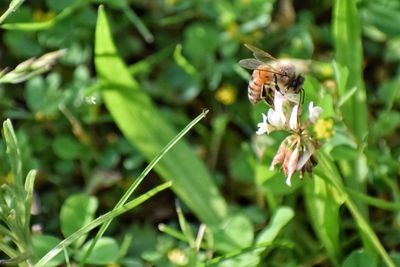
[(294, 158), (293, 118), (305, 155), (263, 127), (314, 112)]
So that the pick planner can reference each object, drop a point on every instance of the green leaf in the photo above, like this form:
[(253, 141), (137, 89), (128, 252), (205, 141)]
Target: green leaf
[(105, 251), (29, 183), (42, 244), (344, 152), (77, 211), (68, 148), (234, 233), (360, 258), (185, 227), (13, 153), (323, 203), (282, 216), (144, 126)]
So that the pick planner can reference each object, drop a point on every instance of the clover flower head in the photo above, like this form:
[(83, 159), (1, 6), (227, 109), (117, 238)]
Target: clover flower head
[(295, 153)]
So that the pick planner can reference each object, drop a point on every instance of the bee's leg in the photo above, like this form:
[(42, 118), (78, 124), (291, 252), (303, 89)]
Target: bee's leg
[(268, 96), (275, 81), (302, 95)]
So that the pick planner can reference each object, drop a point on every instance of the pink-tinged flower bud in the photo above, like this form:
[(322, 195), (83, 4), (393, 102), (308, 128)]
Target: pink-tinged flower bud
[(280, 155), (294, 157)]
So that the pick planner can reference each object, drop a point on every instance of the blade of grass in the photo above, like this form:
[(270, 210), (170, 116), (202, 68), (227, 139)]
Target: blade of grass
[(185, 226), (141, 177), (323, 204), (348, 52), (100, 220), (146, 65), (11, 8), (138, 23), (145, 127), (172, 232), (349, 55)]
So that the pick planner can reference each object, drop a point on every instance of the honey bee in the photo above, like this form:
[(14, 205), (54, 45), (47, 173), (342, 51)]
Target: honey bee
[(271, 75)]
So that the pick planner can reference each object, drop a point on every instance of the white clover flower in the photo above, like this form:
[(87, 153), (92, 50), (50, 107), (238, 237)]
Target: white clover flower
[(314, 112)]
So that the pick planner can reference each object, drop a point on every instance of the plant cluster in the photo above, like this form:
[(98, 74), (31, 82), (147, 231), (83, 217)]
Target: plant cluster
[(104, 99)]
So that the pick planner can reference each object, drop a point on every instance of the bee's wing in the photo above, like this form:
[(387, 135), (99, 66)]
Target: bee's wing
[(255, 64), (260, 54), (251, 63)]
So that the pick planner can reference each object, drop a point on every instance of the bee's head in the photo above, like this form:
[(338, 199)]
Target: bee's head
[(299, 80), (287, 69)]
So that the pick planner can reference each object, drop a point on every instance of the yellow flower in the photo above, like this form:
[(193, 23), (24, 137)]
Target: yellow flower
[(178, 257), (323, 128), (226, 94)]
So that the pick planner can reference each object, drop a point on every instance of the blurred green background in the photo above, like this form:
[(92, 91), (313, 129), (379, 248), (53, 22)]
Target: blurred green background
[(183, 58)]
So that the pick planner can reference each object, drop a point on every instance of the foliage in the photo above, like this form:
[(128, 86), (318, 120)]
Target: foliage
[(102, 124)]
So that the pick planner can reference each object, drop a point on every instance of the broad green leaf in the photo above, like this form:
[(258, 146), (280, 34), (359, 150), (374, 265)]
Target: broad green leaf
[(246, 259), (323, 203), (281, 217), (360, 258), (344, 152), (234, 233), (243, 255), (68, 148), (42, 244), (105, 251), (144, 126), (77, 211)]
